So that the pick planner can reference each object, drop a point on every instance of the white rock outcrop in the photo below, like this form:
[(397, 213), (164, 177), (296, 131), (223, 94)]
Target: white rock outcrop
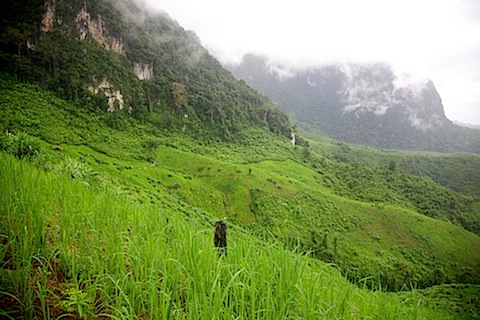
[(46, 24), (143, 71), (95, 28), (115, 97)]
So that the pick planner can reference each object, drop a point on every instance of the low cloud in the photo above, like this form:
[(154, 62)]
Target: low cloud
[(142, 13), (421, 37)]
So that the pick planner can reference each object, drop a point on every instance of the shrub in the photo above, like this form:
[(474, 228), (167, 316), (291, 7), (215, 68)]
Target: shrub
[(21, 146), (76, 170)]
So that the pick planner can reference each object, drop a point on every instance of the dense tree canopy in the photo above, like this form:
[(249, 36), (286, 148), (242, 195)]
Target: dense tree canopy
[(89, 54)]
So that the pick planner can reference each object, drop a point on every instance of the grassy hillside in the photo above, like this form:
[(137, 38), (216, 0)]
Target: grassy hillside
[(70, 250), (84, 224), (122, 141), (285, 199)]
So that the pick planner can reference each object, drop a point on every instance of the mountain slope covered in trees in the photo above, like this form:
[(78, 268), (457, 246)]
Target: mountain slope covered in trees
[(122, 141), (360, 103), (117, 56)]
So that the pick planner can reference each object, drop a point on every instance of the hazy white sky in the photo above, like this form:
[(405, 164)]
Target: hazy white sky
[(436, 39)]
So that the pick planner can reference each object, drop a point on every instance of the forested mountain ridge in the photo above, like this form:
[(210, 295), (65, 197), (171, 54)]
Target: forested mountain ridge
[(119, 56), (360, 103)]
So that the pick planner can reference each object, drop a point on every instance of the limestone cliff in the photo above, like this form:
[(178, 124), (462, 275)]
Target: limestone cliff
[(96, 29), (115, 98), (143, 71)]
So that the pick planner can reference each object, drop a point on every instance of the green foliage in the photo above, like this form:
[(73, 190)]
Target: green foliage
[(460, 300), (115, 218), (76, 170), (360, 241), (392, 165), (27, 108), (455, 171), (365, 174), (219, 178), (382, 185), (22, 146), (316, 100), (90, 254), (188, 92)]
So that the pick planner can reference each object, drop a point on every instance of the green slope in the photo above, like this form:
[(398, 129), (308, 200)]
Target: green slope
[(72, 250), (273, 194), (457, 171), (110, 214), (396, 247), (363, 219), (94, 237)]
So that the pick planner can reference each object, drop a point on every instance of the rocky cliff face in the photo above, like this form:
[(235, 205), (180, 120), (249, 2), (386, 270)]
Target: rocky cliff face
[(48, 17), (143, 71), (115, 99), (376, 89), (360, 103), (95, 28)]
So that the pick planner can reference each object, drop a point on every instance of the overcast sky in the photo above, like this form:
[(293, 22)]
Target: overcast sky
[(435, 39)]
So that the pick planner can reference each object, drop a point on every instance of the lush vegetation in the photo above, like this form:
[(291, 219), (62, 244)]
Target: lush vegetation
[(455, 171), (188, 90), (316, 101), (279, 199), (108, 212), (68, 249)]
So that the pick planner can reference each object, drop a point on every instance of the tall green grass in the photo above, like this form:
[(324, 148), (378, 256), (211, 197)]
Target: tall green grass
[(67, 249)]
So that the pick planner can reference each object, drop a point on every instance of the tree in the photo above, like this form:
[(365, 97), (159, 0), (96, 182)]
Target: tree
[(178, 93)]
